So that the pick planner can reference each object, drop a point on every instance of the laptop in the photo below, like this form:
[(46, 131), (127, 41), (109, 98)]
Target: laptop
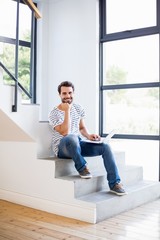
[(103, 140)]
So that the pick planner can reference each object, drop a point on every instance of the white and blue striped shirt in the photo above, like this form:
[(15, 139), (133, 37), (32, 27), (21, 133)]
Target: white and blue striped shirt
[(56, 117)]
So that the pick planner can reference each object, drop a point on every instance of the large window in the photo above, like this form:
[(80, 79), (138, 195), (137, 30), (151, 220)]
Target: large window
[(127, 15), (129, 72), (17, 45)]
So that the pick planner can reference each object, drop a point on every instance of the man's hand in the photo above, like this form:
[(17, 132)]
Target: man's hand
[(94, 137), (85, 133), (64, 127), (65, 107)]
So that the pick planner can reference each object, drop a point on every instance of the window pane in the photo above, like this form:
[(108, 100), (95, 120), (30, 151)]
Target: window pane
[(7, 56), (8, 10), (24, 68), (24, 23), (133, 111), (131, 61), (130, 14)]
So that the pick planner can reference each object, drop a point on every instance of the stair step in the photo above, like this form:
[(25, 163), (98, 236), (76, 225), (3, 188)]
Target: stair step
[(109, 205), (65, 167), (130, 174)]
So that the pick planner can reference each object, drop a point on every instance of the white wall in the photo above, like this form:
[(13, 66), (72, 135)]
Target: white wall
[(68, 50)]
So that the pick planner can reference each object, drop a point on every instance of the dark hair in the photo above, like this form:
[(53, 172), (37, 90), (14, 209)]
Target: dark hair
[(65, 84)]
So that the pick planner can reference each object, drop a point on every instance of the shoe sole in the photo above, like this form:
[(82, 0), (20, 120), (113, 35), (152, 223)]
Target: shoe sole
[(85, 177), (119, 194)]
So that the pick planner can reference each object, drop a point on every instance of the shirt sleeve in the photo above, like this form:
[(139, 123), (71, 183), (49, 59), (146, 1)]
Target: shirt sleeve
[(55, 118), (81, 111)]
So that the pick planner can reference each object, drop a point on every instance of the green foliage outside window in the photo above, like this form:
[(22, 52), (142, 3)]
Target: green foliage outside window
[(8, 59)]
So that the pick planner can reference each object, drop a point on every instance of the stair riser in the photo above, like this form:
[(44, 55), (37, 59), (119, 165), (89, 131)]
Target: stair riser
[(87, 186), (65, 167), (132, 175), (95, 184)]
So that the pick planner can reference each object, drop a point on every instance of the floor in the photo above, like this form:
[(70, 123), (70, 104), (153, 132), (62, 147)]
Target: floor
[(22, 223)]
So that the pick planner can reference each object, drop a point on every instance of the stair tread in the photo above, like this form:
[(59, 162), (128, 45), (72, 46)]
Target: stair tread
[(108, 204), (96, 173), (98, 182), (105, 195)]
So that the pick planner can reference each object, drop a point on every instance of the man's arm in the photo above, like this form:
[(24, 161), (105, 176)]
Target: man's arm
[(64, 128), (85, 133)]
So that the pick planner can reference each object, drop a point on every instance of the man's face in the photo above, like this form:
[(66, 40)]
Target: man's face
[(66, 95)]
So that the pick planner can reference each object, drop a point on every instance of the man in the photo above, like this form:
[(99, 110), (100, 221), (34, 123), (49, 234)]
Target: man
[(67, 121)]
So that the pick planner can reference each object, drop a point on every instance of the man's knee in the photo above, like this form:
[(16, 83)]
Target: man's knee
[(106, 148), (72, 139)]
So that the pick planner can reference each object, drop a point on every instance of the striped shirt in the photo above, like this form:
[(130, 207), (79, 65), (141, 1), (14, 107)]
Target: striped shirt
[(56, 117)]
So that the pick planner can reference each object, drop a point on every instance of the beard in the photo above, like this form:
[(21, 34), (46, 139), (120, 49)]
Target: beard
[(67, 100)]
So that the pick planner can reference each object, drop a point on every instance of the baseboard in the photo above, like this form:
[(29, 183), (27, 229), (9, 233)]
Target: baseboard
[(75, 211)]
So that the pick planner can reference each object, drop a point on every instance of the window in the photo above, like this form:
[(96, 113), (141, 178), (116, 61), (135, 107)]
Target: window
[(125, 15), (129, 70), (18, 46)]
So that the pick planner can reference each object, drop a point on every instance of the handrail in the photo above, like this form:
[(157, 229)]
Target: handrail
[(15, 79), (33, 7)]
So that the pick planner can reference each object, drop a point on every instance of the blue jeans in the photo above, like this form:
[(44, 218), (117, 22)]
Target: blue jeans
[(71, 146)]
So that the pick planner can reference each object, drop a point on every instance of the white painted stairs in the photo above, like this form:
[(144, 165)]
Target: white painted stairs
[(95, 191)]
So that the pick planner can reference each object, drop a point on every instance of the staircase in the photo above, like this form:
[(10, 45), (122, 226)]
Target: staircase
[(95, 191), (31, 177)]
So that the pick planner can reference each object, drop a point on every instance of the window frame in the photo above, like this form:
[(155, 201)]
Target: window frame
[(32, 45), (104, 37)]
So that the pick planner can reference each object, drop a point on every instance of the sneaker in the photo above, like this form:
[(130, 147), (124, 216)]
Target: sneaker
[(85, 173), (118, 190)]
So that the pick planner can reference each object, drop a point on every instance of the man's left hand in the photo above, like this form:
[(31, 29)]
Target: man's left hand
[(94, 137)]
